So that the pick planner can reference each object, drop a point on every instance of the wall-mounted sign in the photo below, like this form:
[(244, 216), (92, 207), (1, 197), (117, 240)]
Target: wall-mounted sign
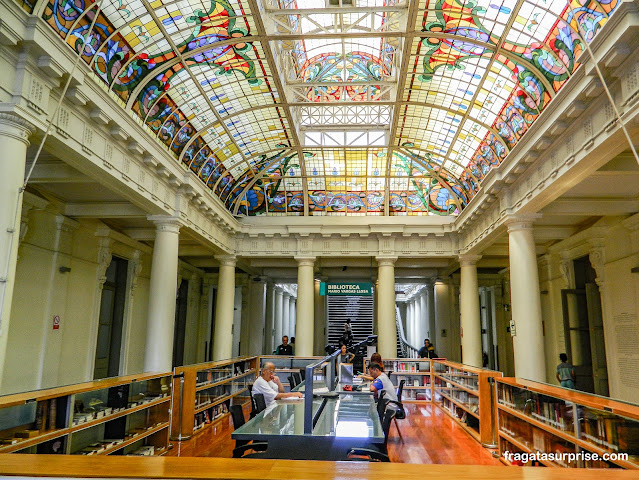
[(512, 328), (56, 322), (361, 288)]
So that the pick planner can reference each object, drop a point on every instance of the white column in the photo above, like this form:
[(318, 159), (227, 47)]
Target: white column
[(279, 301), (224, 308), (286, 320), (417, 322), (432, 323), (305, 313), (386, 326), (528, 342), (257, 311), (162, 292), (14, 140), (292, 317), (423, 320), (270, 316), (410, 318), (469, 306), (442, 314)]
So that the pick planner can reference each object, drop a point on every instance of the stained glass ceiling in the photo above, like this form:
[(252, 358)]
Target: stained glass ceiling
[(334, 107)]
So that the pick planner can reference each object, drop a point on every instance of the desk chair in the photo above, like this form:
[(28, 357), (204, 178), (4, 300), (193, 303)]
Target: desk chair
[(260, 403), (241, 446), (375, 455), (253, 407), (400, 413), (291, 382), (303, 373), (381, 404), (297, 377)]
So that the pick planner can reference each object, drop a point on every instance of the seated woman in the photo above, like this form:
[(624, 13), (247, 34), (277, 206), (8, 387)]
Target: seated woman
[(375, 358)]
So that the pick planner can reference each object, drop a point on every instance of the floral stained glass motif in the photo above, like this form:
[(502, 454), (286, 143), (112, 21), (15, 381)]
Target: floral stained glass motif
[(196, 75)]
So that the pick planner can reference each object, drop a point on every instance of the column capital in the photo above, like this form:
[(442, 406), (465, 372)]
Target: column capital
[(226, 260), (166, 223), (12, 125), (468, 260), (521, 221), (385, 261), (305, 261)]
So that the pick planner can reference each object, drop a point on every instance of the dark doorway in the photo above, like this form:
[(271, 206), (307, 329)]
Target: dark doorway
[(107, 352), (583, 327), (181, 305)]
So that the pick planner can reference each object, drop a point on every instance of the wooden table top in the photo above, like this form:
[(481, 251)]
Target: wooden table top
[(254, 469)]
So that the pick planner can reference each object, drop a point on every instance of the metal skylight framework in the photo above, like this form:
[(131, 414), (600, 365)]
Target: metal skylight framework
[(254, 97)]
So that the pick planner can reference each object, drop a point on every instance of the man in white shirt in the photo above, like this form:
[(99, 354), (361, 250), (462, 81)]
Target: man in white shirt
[(270, 386)]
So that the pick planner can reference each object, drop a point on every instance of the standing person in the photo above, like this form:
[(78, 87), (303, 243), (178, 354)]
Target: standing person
[(347, 336), (285, 348), (270, 386), (565, 372), (345, 356), (427, 351), (381, 382)]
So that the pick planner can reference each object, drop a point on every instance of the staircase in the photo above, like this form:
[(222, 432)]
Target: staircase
[(404, 349)]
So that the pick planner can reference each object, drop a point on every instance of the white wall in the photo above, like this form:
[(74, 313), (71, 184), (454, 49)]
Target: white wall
[(612, 246), (39, 356)]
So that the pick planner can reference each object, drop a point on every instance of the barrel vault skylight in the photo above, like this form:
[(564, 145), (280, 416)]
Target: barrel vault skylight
[(340, 107)]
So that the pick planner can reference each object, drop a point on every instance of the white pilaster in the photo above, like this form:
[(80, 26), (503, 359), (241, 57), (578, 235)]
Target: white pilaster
[(423, 320), (224, 308), (270, 316), (432, 323), (279, 304), (286, 315), (386, 326), (162, 291), (257, 310), (14, 140), (417, 320), (443, 341), (469, 306), (528, 342), (291, 315)]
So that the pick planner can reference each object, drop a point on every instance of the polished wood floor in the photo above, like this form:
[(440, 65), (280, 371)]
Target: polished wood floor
[(429, 435)]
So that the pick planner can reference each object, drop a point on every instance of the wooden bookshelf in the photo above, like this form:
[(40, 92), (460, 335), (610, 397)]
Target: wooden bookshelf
[(550, 419), (464, 393), (205, 392), (76, 419)]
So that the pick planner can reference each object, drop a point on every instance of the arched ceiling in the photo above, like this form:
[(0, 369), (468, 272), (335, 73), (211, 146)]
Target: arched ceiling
[(312, 107)]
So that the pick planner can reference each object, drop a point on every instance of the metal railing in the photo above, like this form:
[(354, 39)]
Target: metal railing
[(406, 349)]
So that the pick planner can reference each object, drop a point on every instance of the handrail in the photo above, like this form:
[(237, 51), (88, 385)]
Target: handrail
[(408, 351)]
